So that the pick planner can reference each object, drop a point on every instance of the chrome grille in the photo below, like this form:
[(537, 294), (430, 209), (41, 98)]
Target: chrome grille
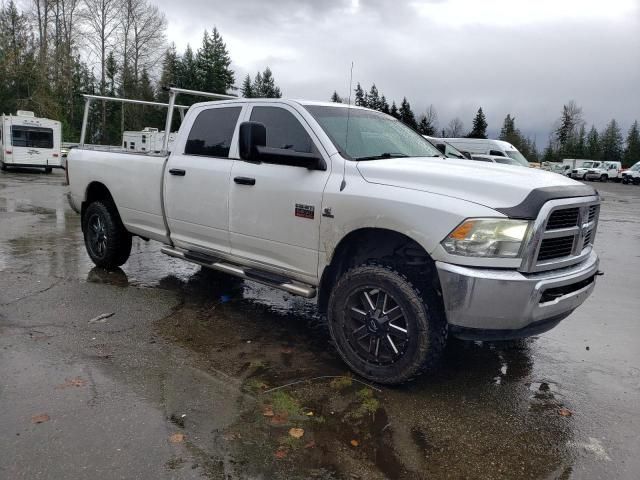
[(555, 248), (564, 218), (562, 234)]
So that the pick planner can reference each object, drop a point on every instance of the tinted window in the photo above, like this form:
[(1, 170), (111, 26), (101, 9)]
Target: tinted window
[(32, 137), (496, 153), (212, 132), (283, 129)]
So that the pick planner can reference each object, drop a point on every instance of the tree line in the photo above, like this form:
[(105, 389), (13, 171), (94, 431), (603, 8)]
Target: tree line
[(569, 138), (55, 50)]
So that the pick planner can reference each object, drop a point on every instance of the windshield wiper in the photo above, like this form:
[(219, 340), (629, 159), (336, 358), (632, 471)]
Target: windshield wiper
[(383, 155)]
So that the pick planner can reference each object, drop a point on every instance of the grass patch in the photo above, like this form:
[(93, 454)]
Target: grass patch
[(282, 402), (340, 383)]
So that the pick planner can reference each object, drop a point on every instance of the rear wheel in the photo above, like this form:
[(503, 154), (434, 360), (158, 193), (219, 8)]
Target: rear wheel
[(636, 181), (382, 327), (604, 178), (107, 241)]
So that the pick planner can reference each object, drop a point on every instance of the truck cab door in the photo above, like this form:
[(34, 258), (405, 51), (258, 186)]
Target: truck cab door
[(275, 208), (196, 183)]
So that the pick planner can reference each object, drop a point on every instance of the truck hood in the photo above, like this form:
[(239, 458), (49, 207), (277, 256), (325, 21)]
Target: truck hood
[(492, 185)]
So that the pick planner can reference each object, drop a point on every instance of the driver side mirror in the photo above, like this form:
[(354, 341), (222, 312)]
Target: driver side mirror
[(252, 136), (253, 141)]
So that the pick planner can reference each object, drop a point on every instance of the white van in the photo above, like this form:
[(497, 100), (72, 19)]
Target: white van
[(496, 148), (28, 141), (146, 140)]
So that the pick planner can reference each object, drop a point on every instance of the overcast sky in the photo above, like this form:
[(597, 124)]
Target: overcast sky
[(524, 57)]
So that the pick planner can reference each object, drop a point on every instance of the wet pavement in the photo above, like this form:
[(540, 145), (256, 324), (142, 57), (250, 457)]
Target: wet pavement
[(162, 370)]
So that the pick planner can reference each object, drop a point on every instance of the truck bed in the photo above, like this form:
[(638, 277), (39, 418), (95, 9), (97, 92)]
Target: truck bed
[(134, 180)]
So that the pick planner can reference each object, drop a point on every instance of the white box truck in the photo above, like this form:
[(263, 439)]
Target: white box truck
[(29, 141)]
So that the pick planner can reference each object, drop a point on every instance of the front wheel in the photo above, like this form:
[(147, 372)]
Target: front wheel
[(636, 181), (604, 178), (584, 177), (107, 241), (382, 327)]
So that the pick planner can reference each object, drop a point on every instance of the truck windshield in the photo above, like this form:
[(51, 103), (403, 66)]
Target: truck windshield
[(518, 157), (32, 137), (371, 135)]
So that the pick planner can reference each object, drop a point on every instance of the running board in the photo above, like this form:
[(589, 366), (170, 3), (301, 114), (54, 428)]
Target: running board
[(270, 279)]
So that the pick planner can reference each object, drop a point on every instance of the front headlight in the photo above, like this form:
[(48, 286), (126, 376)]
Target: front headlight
[(487, 237)]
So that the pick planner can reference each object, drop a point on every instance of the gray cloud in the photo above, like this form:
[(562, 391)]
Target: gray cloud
[(501, 61)]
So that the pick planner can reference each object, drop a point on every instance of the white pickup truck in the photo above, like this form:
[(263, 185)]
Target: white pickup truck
[(401, 246)]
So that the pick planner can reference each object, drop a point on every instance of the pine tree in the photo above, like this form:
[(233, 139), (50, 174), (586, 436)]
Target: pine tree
[(384, 105), (360, 100), (213, 64), (373, 98), (247, 87), (580, 147), (593, 149), (335, 98), (170, 72), (406, 114), (187, 77), (479, 129), (632, 150), (394, 111), (565, 134), (508, 130), (267, 87), (612, 142), (426, 126)]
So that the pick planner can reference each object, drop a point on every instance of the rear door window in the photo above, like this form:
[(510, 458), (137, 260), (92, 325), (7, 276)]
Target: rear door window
[(31, 137), (497, 153), (212, 132)]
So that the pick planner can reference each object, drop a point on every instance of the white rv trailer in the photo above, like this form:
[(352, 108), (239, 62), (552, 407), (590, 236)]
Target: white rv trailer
[(29, 141), (146, 140)]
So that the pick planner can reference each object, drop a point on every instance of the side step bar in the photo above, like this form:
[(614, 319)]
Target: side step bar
[(272, 280)]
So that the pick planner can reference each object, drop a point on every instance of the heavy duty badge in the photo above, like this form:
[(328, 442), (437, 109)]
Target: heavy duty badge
[(305, 211)]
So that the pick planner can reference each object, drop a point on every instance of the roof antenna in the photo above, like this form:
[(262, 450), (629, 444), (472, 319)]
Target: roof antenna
[(346, 143)]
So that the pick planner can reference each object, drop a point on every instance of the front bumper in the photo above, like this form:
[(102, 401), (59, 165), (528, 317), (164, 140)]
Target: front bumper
[(504, 304)]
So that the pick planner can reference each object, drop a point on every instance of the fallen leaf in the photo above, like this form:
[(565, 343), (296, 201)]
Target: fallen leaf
[(177, 438), (565, 412), (281, 453), (354, 443), (268, 411), (43, 417), (309, 414), (311, 444), (73, 382), (102, 317), (279, 419), (296, 432)]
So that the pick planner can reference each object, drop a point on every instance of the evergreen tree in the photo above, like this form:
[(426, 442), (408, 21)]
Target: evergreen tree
[(266, 86), (213, 64), (394, 111), (335, 98), (508, 130), (611, 142), (632, 150), (406, 114), (479, 129), (188, 70), (593, 150), (360, 100), (566, 132), (170, 72), (384, 105), (373, 98), (580, 147), (247, 87), (426, 127), (549, 155)]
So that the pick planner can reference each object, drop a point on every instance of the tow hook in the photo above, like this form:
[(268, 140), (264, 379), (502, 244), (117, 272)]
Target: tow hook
[(599, 273)]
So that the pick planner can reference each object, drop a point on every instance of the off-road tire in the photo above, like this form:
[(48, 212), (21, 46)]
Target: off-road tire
[(116, 247), (426, 324)]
